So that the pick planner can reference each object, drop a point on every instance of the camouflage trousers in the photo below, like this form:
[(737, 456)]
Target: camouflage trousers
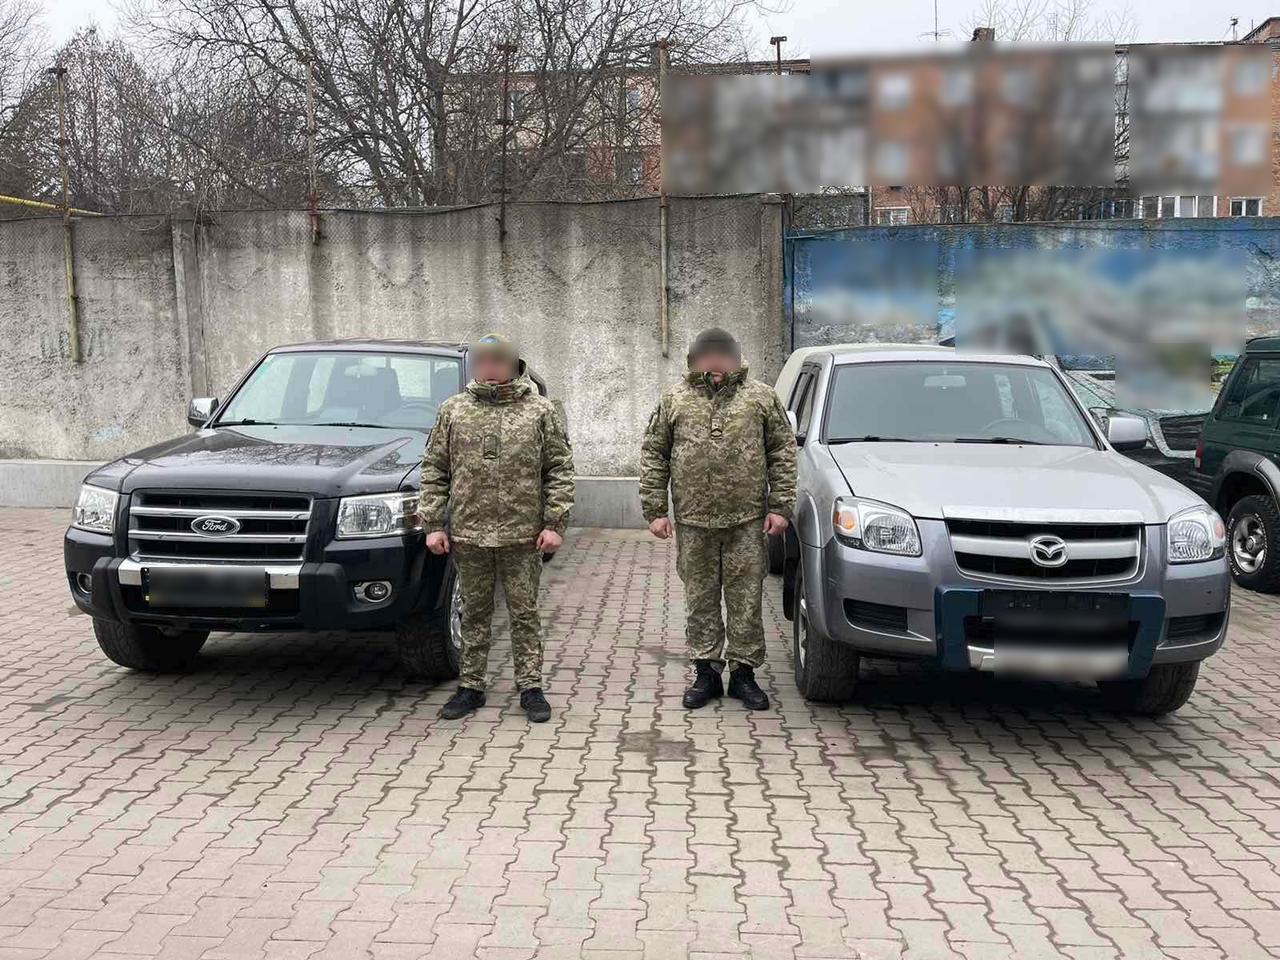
[(728, 562), (480, 570)]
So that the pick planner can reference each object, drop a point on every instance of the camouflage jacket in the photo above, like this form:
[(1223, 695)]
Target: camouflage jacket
[(500, 453), (728, 453)]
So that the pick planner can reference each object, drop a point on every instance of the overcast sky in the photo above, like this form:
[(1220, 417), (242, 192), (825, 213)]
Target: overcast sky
[(843, 26)]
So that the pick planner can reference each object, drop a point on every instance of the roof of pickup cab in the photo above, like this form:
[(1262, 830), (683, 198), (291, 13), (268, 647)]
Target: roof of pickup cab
[(869, 353), (370, 343), (1263, 345)]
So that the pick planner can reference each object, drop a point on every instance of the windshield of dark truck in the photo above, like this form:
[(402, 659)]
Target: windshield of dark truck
[(953, 403), (345, 388)]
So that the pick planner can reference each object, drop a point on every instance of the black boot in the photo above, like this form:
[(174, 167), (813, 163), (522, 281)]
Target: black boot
[(464, 701), (706, 687), (535, 705), (743, 686)]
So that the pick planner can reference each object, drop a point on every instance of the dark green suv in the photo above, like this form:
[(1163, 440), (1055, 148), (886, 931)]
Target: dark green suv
[(1236, 464)]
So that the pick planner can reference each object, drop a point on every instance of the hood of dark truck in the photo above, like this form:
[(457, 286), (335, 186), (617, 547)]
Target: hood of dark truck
[(319, 461)]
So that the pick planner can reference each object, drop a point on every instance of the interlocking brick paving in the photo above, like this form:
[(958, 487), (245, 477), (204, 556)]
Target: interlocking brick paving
[(293, 797)]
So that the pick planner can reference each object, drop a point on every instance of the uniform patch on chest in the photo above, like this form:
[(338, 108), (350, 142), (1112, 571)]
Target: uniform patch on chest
[(717, 428), (490, 447)]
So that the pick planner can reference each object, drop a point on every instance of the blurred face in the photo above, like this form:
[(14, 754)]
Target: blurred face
[(716, 363), (492, 368)]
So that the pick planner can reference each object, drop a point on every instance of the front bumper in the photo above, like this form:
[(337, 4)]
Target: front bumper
[(916, 607), (310, 595)]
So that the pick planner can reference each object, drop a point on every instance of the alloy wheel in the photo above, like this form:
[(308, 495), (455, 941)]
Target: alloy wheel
[(1249, 543)]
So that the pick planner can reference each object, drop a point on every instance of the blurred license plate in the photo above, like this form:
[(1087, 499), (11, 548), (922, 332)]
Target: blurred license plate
[(1041, 661), (1056, 610), (205, 587)]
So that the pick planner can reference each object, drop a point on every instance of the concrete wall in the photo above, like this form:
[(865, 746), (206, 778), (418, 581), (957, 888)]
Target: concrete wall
[(174, 309), (133, 381)]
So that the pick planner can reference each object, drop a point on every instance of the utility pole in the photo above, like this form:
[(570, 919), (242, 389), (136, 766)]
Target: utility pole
[(506, 49), (777, 46), (73, 314), (313, 198), (1235, 22), (664, 292)]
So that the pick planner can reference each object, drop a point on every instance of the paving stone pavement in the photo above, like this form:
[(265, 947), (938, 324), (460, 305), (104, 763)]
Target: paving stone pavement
[(293, 798)]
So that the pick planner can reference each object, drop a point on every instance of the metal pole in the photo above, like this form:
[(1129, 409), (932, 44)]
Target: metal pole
[(313, 199), (507, 49), (664, 291), (777, 46), (41, 205), (73, 313)]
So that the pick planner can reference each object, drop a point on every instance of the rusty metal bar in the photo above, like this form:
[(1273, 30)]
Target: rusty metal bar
[(73, 312), (664, 288)]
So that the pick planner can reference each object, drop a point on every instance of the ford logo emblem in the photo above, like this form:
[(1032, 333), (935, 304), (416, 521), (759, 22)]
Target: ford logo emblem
[(1048, 550), (215, 526)]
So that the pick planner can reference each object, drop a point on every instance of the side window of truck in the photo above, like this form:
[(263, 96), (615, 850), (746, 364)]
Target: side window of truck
[(1254, 392), (802, 399)]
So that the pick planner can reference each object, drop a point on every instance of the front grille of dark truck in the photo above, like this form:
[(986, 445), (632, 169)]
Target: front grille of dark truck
[(1182, 433), (1000, 550), (273, 527)]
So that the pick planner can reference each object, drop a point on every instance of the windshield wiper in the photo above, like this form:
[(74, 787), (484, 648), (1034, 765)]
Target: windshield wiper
[(1030, 443), (348, 423), (248, 422), (870, 438)]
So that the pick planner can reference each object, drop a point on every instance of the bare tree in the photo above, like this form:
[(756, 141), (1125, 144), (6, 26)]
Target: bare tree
[(407, 93), (23, 84)]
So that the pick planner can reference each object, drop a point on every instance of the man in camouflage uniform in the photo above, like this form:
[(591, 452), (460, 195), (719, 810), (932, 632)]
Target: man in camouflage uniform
[(499, 450), (724, 445)]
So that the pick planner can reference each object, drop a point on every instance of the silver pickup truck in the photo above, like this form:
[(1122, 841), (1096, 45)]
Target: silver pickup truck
[(968, 510)]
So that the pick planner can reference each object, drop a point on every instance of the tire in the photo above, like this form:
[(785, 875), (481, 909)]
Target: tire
[(777, 553), (427, 645), (826, 671), (148, 649), (1253, 543), (1166, 688)]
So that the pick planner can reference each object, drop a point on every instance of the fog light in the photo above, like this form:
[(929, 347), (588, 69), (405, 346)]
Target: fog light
[(84, 583), (374, 591)]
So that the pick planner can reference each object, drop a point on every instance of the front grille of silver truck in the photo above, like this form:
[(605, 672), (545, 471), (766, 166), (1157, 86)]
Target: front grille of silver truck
[(272, 527), (1001, 550), (1182, 433)]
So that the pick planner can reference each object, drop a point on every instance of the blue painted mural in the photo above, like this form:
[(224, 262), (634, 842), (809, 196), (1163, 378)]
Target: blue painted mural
[(1217, 279)]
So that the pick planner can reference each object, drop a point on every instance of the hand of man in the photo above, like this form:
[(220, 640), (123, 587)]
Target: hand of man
[(438, 542), (661, 528), (549, 541), (774, 523)]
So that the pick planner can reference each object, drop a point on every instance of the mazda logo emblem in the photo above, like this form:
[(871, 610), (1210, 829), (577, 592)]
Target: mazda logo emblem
[(1048, 550), (215, 526)]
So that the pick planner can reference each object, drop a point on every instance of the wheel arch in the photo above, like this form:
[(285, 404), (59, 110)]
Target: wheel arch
[(1243, 473)]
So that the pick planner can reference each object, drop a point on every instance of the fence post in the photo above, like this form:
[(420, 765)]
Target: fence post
[(73, 312)]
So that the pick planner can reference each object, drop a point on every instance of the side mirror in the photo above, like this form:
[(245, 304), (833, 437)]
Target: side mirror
[(1126, 433), (795, 426), (201, 410)]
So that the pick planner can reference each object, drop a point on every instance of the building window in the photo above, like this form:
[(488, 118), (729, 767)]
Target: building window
[(893, 91), (1247, 144), (891, 162), (892, 216), (631, 169), (1251, 75), (957, 86), (1246, 206), (1167, 208)]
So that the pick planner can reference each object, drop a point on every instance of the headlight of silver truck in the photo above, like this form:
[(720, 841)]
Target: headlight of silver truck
[(95, 509), (1195, 535), (379, 515), (876, 526)]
